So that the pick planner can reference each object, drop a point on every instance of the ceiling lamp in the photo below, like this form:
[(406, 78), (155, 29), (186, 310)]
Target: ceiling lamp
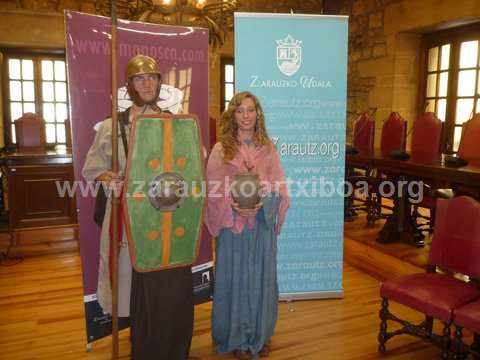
[(216, 15)]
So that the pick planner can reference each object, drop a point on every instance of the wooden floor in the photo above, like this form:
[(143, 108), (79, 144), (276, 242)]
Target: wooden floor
[(41, 317), (382, 261)]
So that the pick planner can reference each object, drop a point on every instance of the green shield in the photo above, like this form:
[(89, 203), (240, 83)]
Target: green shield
[(163, 144)]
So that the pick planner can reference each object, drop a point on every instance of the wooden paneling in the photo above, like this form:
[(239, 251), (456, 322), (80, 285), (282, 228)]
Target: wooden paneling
[(34, 180), (34, 196), (35, 204)]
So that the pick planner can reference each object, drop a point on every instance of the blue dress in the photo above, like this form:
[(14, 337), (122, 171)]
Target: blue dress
[(245, 300)]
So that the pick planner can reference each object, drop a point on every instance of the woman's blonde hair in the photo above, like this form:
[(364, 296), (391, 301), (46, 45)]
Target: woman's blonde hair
[(229, 127)]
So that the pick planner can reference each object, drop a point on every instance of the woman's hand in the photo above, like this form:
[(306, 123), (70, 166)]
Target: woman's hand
[(247, 212), (112, 180)]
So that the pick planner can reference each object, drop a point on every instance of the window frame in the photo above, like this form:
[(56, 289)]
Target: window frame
[(37, 55), (225, 60), (454, 36)]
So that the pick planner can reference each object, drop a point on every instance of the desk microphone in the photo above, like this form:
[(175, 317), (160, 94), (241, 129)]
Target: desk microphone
[(402, 154), (351, 150), (454, 161), (8, 148)]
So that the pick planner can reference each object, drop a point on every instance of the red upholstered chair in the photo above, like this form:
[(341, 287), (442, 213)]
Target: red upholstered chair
[(362, 141), (30, 132), (469, 148), (426, 140), (455, 249), (364, 132), (427, 134), (393, 140), (394, 131), (467, 317)]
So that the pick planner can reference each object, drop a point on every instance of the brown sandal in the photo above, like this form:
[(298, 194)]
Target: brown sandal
[(242, 355)]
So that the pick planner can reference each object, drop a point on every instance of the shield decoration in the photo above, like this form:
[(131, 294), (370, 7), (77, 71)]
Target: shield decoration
[(163, 150), (289, 58)]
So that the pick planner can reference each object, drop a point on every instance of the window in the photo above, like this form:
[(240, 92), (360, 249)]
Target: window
[(227, 82), (36, 83), (452, 79), (438, 72)]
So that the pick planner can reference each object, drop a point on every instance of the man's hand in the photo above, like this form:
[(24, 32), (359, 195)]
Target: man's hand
[(112, 180)]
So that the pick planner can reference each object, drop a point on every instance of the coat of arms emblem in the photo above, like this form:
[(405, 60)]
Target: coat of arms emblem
[(289, 55)]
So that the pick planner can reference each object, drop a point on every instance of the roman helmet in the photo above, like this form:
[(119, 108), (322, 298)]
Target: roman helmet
[(139, 65)]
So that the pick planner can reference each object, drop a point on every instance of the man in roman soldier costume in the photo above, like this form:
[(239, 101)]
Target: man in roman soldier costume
[(159, 303)]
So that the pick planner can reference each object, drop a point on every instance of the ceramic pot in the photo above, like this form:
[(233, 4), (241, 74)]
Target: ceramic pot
[(245, 189)]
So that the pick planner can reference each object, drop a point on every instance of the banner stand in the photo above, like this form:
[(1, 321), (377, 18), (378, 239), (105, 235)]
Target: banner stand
[(182, 55), (299, 74)]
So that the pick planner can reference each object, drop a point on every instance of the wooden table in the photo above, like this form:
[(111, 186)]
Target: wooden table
[(429, 167), (400, 226)]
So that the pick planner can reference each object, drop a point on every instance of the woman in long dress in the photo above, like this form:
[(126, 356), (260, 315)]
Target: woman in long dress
[(246, 291)]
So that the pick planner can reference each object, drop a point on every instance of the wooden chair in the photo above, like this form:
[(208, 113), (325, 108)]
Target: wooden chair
[(30, 132), (455, 249)]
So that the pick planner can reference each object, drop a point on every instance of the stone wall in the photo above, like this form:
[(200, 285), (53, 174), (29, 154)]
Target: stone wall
[(385, 48)]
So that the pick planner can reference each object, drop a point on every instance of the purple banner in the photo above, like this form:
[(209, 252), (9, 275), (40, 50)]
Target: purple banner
[(182, 54)]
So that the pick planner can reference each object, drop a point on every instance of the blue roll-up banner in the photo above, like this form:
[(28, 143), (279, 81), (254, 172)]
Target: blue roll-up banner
[(297, 66)]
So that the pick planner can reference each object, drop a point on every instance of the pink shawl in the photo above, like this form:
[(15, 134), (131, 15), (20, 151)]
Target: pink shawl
[(265, 162)]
